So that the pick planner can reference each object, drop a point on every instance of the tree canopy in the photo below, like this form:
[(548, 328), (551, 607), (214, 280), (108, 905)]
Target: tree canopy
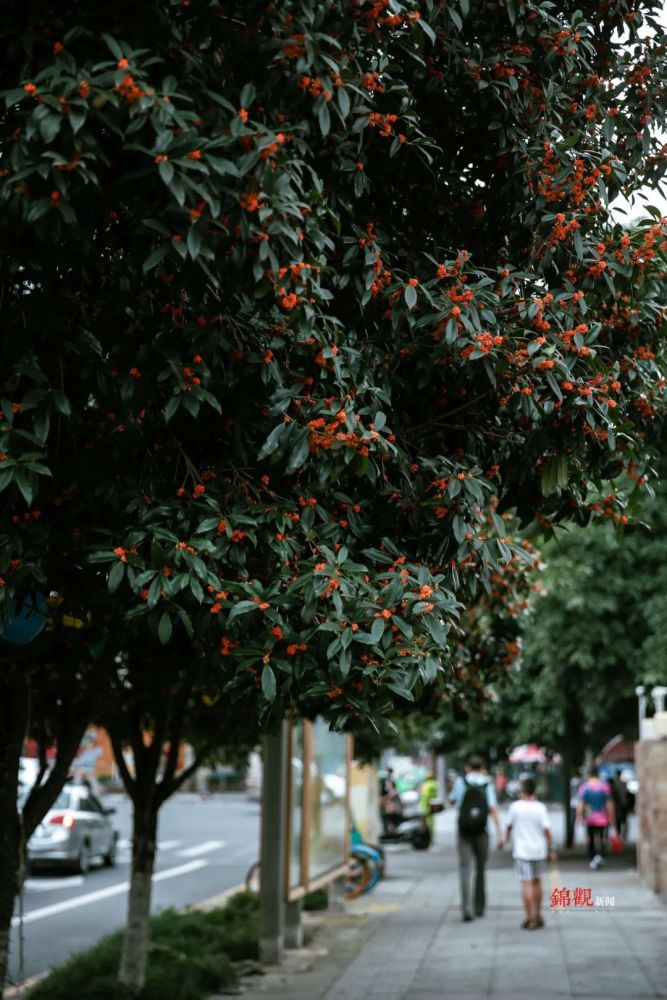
[(293, 294)]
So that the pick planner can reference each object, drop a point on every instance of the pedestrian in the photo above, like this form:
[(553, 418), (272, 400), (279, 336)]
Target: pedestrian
[(475, 797), (530, 830), (619, 794), (501, 784), (391, 807), (429, 792), (595, 808)]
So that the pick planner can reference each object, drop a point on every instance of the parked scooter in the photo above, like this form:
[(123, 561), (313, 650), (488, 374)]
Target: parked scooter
[(407, 828)]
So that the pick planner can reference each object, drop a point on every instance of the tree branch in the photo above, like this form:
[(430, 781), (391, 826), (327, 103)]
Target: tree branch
[(42, 796), (165, 790), (117, 747)]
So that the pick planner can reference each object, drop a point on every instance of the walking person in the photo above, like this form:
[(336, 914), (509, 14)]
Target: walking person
[(391, 807), (428, 794), (530, 831), (595, 808), (475, 797)]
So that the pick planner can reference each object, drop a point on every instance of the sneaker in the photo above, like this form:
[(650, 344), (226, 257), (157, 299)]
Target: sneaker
[(601, 861), (595, 863), (467, 917)]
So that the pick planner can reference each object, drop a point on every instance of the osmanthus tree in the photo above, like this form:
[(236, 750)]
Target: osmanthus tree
[(466, 712), (291, 291), (155, 698)]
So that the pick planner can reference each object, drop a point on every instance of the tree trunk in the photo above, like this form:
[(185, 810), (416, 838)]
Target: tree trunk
[(14, 713), (132, 972)]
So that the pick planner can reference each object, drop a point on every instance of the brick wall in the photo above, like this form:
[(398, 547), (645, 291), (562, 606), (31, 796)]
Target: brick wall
[(651, 760)]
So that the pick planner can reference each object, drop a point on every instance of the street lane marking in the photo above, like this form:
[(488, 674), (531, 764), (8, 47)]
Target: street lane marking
[(205, 848), (111, 890), (46, 884), (163, 845), (191, 866)]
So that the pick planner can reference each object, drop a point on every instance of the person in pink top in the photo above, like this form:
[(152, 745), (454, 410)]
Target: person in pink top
[(595, 808)]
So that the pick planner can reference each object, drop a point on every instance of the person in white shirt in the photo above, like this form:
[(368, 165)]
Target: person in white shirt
[(530, 830)]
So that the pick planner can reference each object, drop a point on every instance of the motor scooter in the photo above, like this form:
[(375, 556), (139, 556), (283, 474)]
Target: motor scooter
[(407, 828)]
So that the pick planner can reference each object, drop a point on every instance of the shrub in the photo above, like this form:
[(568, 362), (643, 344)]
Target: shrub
[(191, 955)]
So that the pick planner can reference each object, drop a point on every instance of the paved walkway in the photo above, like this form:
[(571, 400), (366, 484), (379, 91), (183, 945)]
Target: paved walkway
[(406, 940)]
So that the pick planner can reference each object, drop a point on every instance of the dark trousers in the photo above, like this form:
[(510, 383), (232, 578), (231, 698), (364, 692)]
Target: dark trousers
[(473, 850), (597, 841)]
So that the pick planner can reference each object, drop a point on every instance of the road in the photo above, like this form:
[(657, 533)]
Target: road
[(204, 847)]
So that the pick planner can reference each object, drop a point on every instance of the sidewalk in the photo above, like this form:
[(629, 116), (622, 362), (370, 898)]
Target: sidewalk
[(406, 940)]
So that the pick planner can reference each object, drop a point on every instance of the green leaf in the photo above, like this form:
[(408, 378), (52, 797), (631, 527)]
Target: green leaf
[(242, 608), (77, 117), (116, 575), (377, 629), (437, 630), (62, 403), (116, 50), (194, 241), (343, 102), (299, 452), (247, 95), (154, 259), (269, 683), (49, 127), (24, 483), (324, 119), (550, 477), (273, 440), (172, 405), (410, 294), (166, 170), (165, 628)]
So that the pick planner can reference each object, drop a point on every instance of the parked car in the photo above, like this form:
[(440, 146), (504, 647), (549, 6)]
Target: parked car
[(74, 832)]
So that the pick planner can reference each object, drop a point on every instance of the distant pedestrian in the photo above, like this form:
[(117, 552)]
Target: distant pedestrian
[(391, 808), (501, 784), (530, 830), (619, 794), (595, 808), (475, 797), (429, 792)]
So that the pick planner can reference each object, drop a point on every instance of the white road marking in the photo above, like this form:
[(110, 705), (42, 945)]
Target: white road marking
[(205, 848), (191, 866), (111, 890), (46, 884), (163, 845)]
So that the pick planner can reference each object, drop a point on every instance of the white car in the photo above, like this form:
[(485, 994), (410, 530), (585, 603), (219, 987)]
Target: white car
[(74, 831)]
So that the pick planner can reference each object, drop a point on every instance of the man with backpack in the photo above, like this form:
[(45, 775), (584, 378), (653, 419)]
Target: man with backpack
[(475, 797)]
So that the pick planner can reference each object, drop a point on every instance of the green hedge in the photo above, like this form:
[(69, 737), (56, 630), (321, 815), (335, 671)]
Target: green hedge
[(191, 956)]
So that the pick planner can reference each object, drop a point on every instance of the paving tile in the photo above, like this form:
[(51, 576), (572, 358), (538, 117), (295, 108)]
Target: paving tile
[(412, 944)]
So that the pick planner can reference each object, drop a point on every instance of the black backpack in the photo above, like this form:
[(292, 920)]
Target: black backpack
[(474, 810)]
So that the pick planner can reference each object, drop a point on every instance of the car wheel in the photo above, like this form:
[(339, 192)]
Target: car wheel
[(83, 861), (110, 858)]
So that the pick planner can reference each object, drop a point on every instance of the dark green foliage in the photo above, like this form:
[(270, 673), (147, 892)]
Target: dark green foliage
[(316, 900), (191, 956)]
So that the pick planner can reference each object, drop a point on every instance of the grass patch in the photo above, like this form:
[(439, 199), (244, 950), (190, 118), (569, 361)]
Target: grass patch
[(191, 955)]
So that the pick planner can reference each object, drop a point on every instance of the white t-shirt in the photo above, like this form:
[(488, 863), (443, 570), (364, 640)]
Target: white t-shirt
[(529, 819)]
